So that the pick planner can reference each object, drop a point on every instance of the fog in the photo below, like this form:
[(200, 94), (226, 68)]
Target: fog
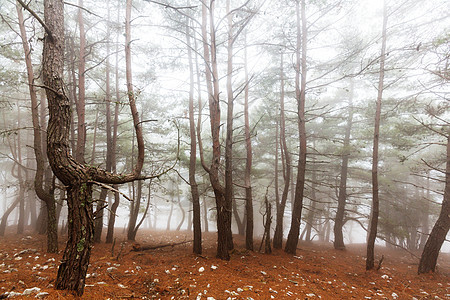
[(342, 66)]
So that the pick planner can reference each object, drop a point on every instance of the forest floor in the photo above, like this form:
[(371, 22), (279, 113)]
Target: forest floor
[(316, 272)]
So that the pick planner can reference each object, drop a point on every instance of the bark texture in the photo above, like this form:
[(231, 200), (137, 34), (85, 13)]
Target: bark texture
[(77, 177)]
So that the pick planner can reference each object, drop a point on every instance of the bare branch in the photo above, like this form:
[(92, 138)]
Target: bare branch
[(108, 187), (47, 30), (80, 7)]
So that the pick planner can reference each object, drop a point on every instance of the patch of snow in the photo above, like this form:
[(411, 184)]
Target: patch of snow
[(41, 295), (31, 291), (13, 294)]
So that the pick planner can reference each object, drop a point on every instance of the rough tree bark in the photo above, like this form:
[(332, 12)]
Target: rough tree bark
[(370, 258), (440, 229), (292, 240), (77, 177)]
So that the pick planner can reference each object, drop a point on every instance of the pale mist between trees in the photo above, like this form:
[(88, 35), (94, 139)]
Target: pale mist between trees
[(282, 121)]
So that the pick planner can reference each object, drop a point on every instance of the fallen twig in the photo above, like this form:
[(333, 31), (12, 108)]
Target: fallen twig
[(138, 247)]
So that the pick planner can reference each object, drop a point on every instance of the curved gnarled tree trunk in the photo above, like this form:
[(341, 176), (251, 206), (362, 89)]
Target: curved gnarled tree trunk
[(77, 177)]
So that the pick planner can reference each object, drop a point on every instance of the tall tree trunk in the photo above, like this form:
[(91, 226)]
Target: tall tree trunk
[(441, 227), (98, 214), (212, 83), (370, 260), (278, 236), (248, 163), (229, 134), (81, 101), (115, 204), (292, 240), (101, 202), (73, 91), (342, 196), (197, 248), (276, 164), (199, 119)]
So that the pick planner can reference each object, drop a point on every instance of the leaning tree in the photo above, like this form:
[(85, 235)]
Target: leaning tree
[(440, 229)]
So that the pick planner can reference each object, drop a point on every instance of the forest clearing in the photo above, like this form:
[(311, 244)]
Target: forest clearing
[(316, 272)]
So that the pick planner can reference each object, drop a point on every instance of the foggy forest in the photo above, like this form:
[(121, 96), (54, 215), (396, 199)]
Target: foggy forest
[(247, 149)]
